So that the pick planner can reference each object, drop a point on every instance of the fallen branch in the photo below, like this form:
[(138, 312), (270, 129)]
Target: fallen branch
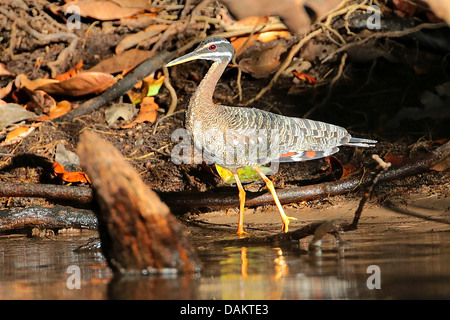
[(47, 191), (57, 217), (214, 199), (121, 87), (409, 167)]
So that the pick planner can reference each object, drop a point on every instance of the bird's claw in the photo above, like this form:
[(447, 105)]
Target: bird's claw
[(286, 223)]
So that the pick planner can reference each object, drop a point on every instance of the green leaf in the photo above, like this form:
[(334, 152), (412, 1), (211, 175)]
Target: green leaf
[(245, 174)]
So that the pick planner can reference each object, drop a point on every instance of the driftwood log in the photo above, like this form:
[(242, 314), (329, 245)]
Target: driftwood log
[(214, 199), (139, 235)]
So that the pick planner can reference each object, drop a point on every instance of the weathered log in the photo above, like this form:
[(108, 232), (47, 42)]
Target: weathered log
[(137, 230), (57, 217)]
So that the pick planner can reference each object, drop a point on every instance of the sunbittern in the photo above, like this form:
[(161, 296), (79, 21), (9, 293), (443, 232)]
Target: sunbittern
[(237, 137)]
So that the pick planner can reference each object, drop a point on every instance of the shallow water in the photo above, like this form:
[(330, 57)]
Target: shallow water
[(413, 265)]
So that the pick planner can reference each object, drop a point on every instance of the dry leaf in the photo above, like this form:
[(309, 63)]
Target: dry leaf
[(272, 35), (4, 72), (264, 62), (139, 21), (147, 113), (88, 82), (17, 135), (440, 8), (305, 77), (126, 111), (337, 166), (67, 158), (73, 177), (148, 87), (292, 12), (40, 100), (6, 90), (394, 159), (12, 113), (442, 166), (124, 61), (241, 43), (103, 10), (71, 72), (22, 81), (60, 109)]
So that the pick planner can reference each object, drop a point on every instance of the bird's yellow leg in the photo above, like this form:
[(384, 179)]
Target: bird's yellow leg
[(240, 230), (271, 188)]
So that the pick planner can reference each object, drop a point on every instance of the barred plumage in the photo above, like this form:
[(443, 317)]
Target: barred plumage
[(235, 137)]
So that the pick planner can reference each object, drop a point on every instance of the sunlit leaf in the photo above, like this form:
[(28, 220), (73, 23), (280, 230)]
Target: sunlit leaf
[(305, 77), (60, 109), (18, 134), (72, 177), (148, 87), (153, 85), (272, 35), (246, 174), (84, 83)]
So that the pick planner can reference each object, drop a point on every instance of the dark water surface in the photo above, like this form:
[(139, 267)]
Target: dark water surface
[(413, 265)]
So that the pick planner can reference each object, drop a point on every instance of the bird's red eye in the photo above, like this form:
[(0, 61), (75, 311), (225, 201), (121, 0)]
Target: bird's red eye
[(212, 47)]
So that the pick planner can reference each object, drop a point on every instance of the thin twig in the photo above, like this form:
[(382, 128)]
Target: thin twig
[(387, 34), (285, 64), (173, 93), (165, 117)]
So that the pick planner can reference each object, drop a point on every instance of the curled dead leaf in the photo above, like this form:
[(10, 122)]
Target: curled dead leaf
[(72, 177), (272, 35), (22, 81), (60, 109), (339, 169), (40, 100), (263, 63), (18, 134), (305, 77), (84, 83)]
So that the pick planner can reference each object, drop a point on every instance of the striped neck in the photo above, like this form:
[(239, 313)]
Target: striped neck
[(203, 96)]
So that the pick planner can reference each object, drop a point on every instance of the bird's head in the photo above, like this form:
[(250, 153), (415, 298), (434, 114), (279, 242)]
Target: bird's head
[(214, 48)]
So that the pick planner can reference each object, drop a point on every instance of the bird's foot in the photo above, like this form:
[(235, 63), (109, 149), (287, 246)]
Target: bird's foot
[(241, 233), (286, 221)]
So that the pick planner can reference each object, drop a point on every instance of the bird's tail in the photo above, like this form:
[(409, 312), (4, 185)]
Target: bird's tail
[(358, 142)]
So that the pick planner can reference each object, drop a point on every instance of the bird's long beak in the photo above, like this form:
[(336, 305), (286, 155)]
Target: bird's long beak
[(187, 57)]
